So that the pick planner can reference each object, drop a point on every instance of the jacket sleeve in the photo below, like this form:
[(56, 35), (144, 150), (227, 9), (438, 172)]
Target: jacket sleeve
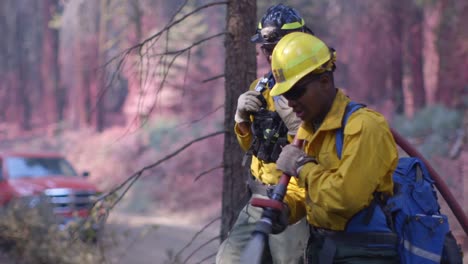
[(368, 160), (244, 140), (295, 199)]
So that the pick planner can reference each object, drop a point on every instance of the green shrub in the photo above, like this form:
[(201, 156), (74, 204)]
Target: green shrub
[(433, 128), (30, 233), (164, 132)]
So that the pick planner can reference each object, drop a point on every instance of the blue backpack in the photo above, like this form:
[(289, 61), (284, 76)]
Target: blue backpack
[(413, 211)]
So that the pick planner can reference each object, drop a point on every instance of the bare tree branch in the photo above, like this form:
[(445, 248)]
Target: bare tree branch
[(128, 183), (171, 23), (206, 258), (208, 171), (205, 115), (177, 255), (200, 247), (202, 117), (166, 72), (175, 22), (176, 52), (134, 177), (214, 78), (143, 49)]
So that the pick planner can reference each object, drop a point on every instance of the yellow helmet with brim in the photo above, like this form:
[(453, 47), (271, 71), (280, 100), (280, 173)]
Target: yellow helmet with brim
[(296, 55)]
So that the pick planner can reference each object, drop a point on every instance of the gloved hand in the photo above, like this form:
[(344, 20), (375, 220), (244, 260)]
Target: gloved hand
[(280, 223), (246, 104), (291, 160), (287, 115)]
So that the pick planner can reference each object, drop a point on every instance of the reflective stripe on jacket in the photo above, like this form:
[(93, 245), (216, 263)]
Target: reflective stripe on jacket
[(267, 172), (338, 189)]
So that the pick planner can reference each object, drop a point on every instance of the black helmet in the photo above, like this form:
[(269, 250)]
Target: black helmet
[(278, 21)]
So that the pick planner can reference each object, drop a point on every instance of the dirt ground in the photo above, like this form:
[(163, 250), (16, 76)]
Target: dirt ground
[(151, 239), (157, 239)]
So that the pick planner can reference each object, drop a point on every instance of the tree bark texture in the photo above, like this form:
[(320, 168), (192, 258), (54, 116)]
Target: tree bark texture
[(452, 88), (28, 37), (396, 66), (240, 71), (50, 69), (414, 54)]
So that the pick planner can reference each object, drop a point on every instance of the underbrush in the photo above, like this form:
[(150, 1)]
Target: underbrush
[(434, 129), (30, 233)]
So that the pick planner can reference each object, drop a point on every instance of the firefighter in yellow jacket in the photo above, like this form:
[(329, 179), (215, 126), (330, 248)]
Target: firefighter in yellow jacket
[(342, 189), (265, 124)]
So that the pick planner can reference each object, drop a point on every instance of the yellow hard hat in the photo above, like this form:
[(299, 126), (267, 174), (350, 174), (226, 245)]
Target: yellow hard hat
[(296, 55)]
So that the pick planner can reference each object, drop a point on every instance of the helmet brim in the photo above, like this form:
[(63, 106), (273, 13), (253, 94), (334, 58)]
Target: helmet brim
[(257, 39), (282, 87)]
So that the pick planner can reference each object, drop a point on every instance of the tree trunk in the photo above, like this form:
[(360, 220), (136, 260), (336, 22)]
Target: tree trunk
[(50, 69), (26, 62), (432, 18), (414, 53), (100, 88), (8, 85), (396, 69), (453, 79), (240, 70)]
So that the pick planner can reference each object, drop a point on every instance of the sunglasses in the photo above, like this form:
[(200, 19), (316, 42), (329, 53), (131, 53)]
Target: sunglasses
[(299, 89)]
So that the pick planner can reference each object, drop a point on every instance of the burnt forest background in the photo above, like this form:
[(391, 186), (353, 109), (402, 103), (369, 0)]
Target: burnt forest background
[(116, 85)]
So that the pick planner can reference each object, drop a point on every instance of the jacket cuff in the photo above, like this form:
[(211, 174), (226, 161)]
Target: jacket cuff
[(306, 169), (239, 133)]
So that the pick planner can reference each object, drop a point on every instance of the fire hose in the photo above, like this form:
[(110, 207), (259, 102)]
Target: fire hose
[(254, 249)]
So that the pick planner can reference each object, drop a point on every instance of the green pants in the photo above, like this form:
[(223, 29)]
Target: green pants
[(286, 247)]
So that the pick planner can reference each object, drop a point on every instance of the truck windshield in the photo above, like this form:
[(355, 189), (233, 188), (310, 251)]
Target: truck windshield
[(20, 167)]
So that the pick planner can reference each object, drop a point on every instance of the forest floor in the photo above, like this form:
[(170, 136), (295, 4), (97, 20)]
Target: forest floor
[(156, 239), (159, 238), (169, 238)]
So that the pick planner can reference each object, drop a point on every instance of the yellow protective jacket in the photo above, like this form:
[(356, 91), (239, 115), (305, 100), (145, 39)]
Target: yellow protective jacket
[(267, 172), (338, 189)]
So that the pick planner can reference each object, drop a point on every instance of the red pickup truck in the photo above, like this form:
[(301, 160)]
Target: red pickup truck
[(49, 174)]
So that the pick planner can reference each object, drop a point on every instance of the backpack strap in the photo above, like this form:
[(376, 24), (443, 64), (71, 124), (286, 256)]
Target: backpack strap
[(349, 110)]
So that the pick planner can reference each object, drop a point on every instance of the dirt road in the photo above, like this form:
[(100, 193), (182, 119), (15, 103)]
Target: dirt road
[(159, 239)]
